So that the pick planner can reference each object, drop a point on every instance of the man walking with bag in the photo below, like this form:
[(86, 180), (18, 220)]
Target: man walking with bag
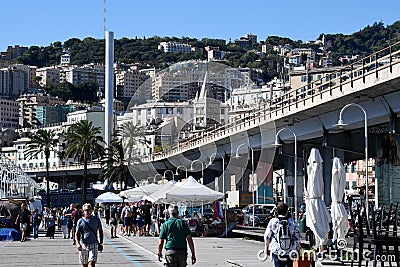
[(282, 237), (175, 232), (86, 237)]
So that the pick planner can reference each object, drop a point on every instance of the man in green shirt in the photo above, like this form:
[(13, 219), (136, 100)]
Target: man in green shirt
[(175, 232)]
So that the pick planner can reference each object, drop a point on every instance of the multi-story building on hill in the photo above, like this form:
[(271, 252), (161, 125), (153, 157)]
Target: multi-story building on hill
[(86, 73), (29, 106), (14, 52), (174, 47), (127, 82), (9, 111), (48, 75), (13, 81)]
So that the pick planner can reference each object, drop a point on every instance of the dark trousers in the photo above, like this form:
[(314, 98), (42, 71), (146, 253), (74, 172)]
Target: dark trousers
[(176, 258), (282, 261), (36, 230)]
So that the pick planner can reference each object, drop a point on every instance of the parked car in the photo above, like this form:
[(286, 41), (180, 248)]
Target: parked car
[(261, 217), (268, 207), (239, 215)]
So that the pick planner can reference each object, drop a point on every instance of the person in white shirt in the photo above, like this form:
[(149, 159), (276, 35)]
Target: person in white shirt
[(283, 257)]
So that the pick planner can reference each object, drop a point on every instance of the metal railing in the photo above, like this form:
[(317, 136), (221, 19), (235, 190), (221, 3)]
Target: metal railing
[(73, 166), (344, 78)]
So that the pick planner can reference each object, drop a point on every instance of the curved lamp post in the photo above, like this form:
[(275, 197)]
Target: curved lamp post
[(295, 164), (181, 166), (154, 177), (252, 175), (341, 124), (223, 185), (202, 167), (173, 175)]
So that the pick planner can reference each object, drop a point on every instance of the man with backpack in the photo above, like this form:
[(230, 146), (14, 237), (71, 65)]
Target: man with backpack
[(282, 237)]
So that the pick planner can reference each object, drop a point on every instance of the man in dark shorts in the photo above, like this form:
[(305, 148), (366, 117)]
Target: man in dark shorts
[(146, 208), (24, 220), (114, 220)]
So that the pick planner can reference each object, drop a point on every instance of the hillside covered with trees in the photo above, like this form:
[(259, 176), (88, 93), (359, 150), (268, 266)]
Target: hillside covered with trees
[(144, 51)]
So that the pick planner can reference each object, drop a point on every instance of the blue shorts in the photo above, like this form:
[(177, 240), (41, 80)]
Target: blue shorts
[(139, 222), (128, 221)]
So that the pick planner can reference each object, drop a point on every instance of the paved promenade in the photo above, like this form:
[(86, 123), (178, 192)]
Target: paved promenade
[(129, 251), (124, 251)]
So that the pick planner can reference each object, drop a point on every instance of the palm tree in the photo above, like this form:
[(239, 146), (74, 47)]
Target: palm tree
[(114, 164), (83, 143), (42, 141), (130, 137)]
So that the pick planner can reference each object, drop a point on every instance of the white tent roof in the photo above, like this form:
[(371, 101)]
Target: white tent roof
[(109, 197), (144, 190), (160, 195), (192, 191)]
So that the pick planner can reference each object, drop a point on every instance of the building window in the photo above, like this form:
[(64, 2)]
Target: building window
[(353, 168), (179, 110), (354, 184), (347, 186), (304, 78)]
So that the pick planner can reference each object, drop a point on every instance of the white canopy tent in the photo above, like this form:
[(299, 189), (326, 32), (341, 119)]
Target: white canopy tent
[(339, 213), (109, 197), (144, 190), (317, 215), (160, 196), (193, 192)]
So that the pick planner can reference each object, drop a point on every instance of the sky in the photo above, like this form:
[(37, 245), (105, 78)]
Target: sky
[(43, 22)]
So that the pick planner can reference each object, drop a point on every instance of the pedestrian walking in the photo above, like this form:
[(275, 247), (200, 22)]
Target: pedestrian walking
[(176, 234), (64, 219), (36, 220), (114, 220), (24, 220), (51, 221), (282, 237), (75, 215), (107, 214), (86, 237)]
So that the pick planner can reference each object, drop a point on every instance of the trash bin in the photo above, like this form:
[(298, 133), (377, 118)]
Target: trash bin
[(302, 225)]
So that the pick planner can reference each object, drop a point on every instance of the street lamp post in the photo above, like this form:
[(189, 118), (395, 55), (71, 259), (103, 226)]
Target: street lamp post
[(252, 176), (154, 177), (223, 186), (342, 124), (295, 165), (281, 182), (173, 175), (202, 167), (181, 166)]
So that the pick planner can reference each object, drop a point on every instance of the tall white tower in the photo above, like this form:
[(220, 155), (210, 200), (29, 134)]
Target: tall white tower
[(109, 87)]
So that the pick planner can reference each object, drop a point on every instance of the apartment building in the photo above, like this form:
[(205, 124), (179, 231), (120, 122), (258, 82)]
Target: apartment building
[(13, 81), (86, 73), (14, 52), (128, 81), (28, 107), (300, 78), (9, 112), (174, 47), (48, 75)]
